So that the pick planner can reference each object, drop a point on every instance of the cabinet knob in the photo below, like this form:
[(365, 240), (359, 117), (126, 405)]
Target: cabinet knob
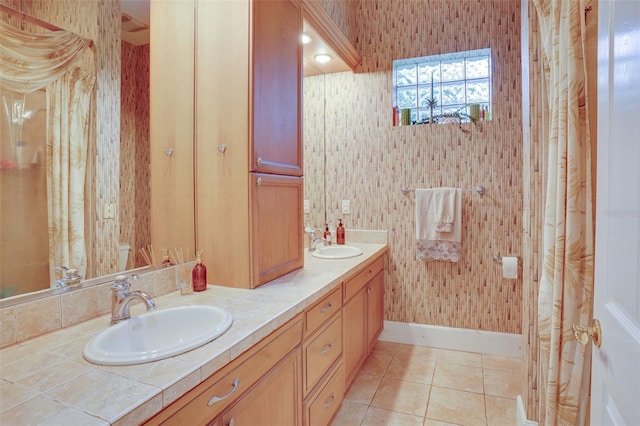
[(326, 308), (326, 349), (259, 161), (259, 181), (329, 400)]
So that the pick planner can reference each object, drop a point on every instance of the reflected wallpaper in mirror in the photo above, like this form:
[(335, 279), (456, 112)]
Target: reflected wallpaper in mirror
[(118, 170)]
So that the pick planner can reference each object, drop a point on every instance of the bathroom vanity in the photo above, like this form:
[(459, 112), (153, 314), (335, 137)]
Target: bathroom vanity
[(291, 353)]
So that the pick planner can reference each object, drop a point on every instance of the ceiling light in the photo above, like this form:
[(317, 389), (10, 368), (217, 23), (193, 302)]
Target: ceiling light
[(323, 58), (305, 39)]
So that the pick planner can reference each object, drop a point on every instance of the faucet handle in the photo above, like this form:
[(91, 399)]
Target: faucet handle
[(122, 282)]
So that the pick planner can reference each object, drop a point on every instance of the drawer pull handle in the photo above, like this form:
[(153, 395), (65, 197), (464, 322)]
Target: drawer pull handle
[(329, 400), (215, 399), (326, 349), (326, 308)]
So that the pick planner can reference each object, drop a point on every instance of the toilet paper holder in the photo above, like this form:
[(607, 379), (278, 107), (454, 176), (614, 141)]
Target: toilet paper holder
[(498, 259)]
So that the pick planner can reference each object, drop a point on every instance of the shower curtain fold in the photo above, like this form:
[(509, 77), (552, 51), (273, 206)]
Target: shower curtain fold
[(566, 284)]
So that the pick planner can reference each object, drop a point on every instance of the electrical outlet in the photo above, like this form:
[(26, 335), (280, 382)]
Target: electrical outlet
[(346, 206), (306, 206), (109, 211)]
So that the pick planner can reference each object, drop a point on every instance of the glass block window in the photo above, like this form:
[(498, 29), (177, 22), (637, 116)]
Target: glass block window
[(454, 81)]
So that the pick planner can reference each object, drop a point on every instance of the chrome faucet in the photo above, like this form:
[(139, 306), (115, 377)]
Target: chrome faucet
[(70, 276), (313, 239), (121, 298)]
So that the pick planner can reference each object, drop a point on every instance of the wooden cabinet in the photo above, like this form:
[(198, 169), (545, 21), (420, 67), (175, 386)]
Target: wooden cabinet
[(363, 315), (322, 377), (272, 363), (375, 309), (226, 97), (276, 400), (171, 114), (277, 88), (354, 313), (323, 405), (248, 140), (276, 243)]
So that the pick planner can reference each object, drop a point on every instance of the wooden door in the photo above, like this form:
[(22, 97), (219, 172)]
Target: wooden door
[(375, 309), (277, 88), (615, 382), (276, 226), (354, 341), (276, 400)]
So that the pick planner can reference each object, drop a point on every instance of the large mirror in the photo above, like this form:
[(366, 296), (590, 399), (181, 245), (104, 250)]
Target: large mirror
[(116, 195)]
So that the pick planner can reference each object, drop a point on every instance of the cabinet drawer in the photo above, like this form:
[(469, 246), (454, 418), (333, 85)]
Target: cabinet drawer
[(323, 310), (320, 352), (355, 283), (321, 408), (212, 396)]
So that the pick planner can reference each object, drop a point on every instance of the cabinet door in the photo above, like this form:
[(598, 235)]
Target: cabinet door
[(171, 118), (276, 400), (276, 226), (354, 343), (375, 309), (277, 82)]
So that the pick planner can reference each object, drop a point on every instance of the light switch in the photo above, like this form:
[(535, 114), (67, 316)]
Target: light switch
[(346, 206), (306, 206), (109, 211)]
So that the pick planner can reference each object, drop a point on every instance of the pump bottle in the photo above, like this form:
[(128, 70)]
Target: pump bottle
[(199, 276), (340, 233)]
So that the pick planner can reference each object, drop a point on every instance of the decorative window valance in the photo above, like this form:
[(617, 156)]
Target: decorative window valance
[(29, 62)]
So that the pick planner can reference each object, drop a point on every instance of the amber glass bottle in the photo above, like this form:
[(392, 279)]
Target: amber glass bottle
[(340, 233), (199, 276)]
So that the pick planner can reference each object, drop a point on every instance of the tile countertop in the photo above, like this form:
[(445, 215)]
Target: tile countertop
[(47, 380)]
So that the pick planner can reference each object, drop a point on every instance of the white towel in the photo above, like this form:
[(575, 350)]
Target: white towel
[(434, 245), (444, 205)]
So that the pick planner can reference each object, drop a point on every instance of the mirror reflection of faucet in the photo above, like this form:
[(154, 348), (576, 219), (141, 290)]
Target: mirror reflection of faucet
[(70, 276)]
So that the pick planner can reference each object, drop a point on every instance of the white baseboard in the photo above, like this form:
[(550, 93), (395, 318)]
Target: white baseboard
[(459, 339), (521, 415)]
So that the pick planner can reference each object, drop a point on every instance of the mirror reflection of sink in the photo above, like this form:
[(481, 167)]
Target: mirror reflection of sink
[(336, 252), (157, 334)]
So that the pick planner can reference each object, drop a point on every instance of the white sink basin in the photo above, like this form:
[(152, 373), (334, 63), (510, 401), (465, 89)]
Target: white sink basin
[(336, 252), (157, 334)]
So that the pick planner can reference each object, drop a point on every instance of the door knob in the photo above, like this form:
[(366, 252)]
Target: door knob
[(582, 334)]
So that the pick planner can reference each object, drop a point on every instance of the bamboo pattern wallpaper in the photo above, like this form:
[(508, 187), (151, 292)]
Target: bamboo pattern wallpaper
[(135, 203), (368, 160)]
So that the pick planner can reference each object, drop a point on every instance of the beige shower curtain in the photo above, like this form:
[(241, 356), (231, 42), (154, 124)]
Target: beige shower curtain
[(29, 62), (566, 286)]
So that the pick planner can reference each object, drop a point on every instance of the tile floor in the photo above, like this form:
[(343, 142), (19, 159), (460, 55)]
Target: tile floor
[(403, 385)]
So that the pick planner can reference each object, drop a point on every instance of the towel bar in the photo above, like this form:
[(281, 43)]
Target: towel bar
[(479, 189)]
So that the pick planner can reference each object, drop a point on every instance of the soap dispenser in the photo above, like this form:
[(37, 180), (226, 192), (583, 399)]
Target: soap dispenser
[(340, 234), (199, 275), (327, 233)]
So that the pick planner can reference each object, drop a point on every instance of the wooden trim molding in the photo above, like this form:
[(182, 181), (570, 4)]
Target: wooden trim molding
[(319, 19)]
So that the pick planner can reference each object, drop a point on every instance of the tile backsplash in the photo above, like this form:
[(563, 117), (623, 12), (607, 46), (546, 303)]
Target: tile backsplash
[(34, 318)]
